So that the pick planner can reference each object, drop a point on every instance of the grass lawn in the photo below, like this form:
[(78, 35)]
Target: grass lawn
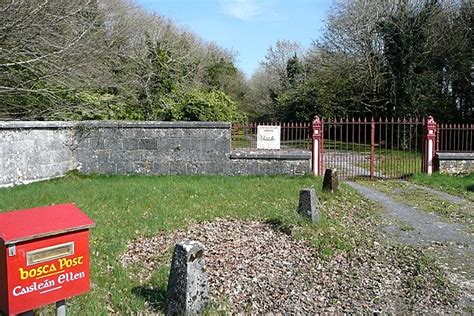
[(125, 207), (396, 164), (462, 185)]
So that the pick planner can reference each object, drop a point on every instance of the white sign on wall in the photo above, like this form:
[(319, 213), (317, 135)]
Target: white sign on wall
[(268, 137)]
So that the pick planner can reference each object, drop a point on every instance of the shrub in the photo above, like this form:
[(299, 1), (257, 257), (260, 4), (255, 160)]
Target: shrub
[(199, 105)]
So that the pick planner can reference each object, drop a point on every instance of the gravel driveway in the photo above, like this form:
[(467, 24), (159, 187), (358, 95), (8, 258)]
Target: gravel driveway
[(453, 248)]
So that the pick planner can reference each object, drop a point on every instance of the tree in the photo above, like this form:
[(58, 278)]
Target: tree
[(294, 71), (206, 106), (90, 59), (377, 58), (272, 79), (46, 51)]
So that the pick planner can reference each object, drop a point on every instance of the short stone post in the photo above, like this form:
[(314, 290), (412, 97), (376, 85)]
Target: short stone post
[(330, 182), (188, 290), (308, 204)]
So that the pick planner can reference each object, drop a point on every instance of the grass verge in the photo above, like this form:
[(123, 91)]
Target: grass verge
[(462, 185), (125, 207)]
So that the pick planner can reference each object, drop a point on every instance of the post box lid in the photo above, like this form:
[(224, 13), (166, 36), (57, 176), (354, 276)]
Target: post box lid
[(33, 223)]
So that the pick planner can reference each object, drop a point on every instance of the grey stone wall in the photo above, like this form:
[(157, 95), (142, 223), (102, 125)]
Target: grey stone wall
[(455, 163), (269, 162), (31, 151), (164, 148)]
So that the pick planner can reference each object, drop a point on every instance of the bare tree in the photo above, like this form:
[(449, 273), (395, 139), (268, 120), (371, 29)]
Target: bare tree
[(47, 48), (97, 59)]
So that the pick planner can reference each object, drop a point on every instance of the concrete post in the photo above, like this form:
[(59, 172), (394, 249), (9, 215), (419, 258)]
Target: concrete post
[(187, 292), (317, 153), (308, 205), (330, 181)]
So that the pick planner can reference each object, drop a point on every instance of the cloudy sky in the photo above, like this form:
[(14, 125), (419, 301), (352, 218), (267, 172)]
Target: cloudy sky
[(247, 27)]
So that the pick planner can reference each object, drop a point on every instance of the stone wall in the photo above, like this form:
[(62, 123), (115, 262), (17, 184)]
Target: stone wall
[(164, 148), (270, 162), (455, 163), (31, 151)]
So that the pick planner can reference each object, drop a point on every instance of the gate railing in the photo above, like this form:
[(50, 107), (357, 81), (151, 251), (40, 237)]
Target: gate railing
[(293, 136), (455, 137), (385, 148)]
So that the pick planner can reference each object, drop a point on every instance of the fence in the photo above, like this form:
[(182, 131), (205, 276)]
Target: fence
[(455, 138), (383, 148), (293, 136)]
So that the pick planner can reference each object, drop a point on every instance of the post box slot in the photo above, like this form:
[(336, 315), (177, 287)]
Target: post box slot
[(49, 253)]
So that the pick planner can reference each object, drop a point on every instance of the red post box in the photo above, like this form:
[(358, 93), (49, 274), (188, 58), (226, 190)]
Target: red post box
[(44, 256)]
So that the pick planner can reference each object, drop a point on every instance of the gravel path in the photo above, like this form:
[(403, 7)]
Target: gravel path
[(427, 228), (453, 247)]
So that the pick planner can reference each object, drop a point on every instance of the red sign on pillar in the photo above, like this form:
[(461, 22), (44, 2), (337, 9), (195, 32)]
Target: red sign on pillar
[(44, 256)]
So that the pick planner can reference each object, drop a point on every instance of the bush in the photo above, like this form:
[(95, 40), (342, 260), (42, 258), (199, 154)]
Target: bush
[(199, 105), (94, 105)]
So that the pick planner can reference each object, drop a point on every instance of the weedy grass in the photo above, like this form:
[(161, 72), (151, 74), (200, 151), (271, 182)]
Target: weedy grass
[(124, 207), (462, 185)]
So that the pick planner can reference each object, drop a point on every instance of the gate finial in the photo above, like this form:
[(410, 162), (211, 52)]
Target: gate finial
[(316, 119)]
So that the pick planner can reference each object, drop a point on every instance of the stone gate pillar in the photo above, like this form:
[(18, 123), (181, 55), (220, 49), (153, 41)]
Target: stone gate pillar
[(429, 145), (317, 152)]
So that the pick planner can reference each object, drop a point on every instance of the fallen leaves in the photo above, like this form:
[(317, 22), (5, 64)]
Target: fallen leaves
[(259, 269)]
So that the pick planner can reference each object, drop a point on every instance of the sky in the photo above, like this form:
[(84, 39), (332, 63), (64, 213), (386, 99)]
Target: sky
[(246, 27)]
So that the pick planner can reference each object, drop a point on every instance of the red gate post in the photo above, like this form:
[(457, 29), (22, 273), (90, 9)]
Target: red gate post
[(429, 142), (372, 148), (317, 147)]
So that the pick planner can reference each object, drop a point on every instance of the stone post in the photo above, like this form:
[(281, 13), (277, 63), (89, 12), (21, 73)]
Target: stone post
[(187, 292), (317, 147), (330, 182), (308, 204)]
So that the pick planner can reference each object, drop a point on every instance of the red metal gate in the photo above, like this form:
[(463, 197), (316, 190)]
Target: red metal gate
[(375, 148), (382, 148)]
